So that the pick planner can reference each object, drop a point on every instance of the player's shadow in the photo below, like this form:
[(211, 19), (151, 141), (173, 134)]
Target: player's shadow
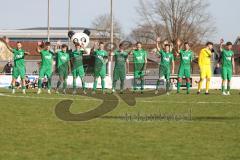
[(109, 103)]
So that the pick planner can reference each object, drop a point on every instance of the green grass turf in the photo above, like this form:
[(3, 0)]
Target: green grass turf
[(30, 130)]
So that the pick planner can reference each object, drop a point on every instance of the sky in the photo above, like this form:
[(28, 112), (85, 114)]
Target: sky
[(33, 13)]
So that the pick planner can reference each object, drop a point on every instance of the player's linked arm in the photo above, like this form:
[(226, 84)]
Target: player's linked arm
[(106, 58), (145, 61), (27, 53), (233, 64), (173, 66), (127, 67)]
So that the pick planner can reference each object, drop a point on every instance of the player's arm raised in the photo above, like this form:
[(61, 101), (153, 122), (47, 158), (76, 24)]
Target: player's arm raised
[(57, 47), (221, 50), (157, 44), (178, 47), (221, 45), (93, 49), (8, 46), (39, 48)]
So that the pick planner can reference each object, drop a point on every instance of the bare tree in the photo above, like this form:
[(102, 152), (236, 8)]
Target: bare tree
[(103, 24), (187, 20), (147, 34)]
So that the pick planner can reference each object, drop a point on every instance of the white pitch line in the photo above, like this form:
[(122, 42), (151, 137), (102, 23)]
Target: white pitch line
[(185, 102), (137, 101), (77, 99)]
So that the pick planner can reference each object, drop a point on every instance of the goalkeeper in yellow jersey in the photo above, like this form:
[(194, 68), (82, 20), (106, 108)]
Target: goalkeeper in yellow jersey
[(204, 62)]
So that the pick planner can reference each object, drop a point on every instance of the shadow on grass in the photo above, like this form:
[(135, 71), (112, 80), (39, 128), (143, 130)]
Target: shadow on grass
[(208, 118), (109, 103)]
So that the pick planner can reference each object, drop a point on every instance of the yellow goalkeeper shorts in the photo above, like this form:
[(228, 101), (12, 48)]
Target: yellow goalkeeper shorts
[(205, 72)]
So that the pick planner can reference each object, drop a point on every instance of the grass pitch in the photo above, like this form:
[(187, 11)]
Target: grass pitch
[(175, 127)]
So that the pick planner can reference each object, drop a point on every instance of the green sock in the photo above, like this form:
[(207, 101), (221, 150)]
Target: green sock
[(74, 84), (103, 84), (135, 84), (122, 84), (59, 84), (142, 84), (64, 84), (83, 85), (39, 83), (158, 84), (49, 83), (114, 84), (223, 88), (188, 87), (23, 87), (228, 87), (95, 85), (179, 84), (167, 85)]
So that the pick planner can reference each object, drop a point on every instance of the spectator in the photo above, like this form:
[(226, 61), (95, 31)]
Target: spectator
[(217, 70), (8, 68), (35, 83), (44, 83), (18, 85), (27, 81)]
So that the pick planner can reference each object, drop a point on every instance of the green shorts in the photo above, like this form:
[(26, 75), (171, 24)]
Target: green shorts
[(164, 72), (78, 72), (18, 72), (139, 70), (63, 72), (227, 73), (119, 73), (139, 74), (184, 71), (100, 72), (45, 72)]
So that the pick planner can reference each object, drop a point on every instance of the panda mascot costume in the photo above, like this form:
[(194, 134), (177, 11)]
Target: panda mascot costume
[(80, 37)]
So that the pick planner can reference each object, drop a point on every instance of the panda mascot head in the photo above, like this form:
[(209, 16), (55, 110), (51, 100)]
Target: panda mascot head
[(80, 37)]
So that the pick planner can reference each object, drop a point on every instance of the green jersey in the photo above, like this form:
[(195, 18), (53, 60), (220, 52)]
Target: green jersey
[(227, 56), (47, 59), (62, 59), (139, 56), (120, 59), (166, 58), (100, 56), (186, 57), (18, 56), (77, 58)]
